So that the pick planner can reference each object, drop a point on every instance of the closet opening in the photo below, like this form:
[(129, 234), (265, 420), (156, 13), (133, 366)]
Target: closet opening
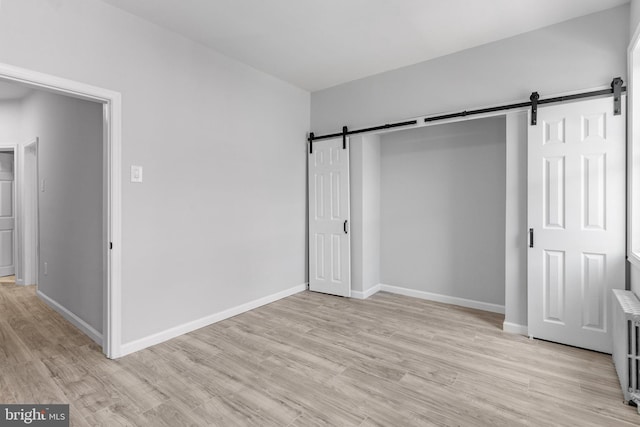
[(428, 212)]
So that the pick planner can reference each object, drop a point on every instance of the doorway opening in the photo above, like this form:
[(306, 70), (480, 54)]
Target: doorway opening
[(418, 196), (7, 215), (68, 217), (64, 175)]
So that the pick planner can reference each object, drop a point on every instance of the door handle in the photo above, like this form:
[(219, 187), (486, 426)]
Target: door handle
[(531, 237), (345, 226)]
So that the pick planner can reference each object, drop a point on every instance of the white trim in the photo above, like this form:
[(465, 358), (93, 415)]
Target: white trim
[(72, 318), (633, 149), (514, 328), (185, 328), (112, 304), (113, 290), (634, 39), (367, 293), (27, 268), (17, 213), (34, 245), (479, 305), (634, 260)]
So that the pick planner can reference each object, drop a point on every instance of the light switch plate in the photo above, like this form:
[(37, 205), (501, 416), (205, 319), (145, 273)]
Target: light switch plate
[(136, 173)]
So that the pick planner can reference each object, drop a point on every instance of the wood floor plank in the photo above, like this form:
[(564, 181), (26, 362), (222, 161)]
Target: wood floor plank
[(172, 414), (13, 349), (31, 383), (311, 360), (117, 415)]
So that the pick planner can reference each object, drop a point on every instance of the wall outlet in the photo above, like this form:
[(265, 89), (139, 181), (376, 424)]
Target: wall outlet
[(136, 173), (42, 185), (46, 268)]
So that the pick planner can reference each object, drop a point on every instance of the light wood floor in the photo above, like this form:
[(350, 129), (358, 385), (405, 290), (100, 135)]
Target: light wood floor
[(312, 360), (7, 280)]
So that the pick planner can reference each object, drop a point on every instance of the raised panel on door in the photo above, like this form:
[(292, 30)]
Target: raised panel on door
[(336, 200), (6, 199), (594, 127), (329, 240), (319, 210), (336, 258), (594, 198), (554, 200), (553, 131), (319, 270), (594, 290), (6, 248), (554, 286), (576, 202)]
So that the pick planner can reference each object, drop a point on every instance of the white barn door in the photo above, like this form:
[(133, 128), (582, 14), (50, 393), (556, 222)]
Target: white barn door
[(7, 215), (329, 220), (577, 222)]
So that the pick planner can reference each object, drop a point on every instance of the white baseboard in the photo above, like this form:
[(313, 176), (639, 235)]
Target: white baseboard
[(514, 328), (176, 331), (87, 329), (479, 305), (22, 283), (367, 293)]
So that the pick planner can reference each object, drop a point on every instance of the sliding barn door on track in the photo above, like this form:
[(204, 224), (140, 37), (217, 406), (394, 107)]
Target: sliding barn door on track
[(577, 222), (329, 218)]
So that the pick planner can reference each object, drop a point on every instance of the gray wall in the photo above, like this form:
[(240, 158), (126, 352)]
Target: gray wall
[(10, 121), (634, 14), (365, 212), (220, 219), (581, 53), (70, 161), (516, 239), (371, 176), (443, 209)]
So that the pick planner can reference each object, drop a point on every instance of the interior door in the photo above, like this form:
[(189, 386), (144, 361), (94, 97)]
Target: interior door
[(577, 222), (329, 238), (7, 216)]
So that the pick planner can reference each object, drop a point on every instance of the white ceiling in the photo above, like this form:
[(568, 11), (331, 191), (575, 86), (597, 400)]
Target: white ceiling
[(315, 44)]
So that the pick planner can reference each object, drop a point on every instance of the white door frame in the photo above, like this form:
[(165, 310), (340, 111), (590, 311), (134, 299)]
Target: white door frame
[(112, 102), (633, 149), (29, 246), (20, 243), (17, 243)]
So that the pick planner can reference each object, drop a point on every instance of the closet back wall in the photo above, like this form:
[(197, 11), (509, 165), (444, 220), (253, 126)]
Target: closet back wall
[(443, 209)]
